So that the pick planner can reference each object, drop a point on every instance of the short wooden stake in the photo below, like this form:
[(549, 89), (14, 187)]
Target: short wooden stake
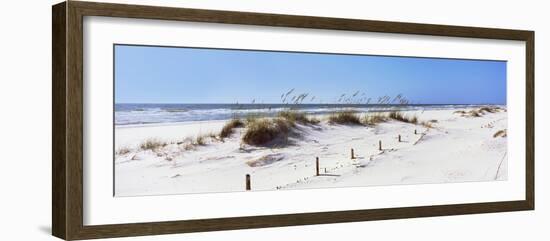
[(248, 182), (380, 145), (352, 155), (399, 138), (317, 166)]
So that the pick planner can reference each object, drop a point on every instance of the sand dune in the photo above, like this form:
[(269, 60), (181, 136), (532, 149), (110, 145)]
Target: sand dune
[(459, 148)]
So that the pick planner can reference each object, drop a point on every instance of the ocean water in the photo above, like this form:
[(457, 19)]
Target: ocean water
[(135, 114)]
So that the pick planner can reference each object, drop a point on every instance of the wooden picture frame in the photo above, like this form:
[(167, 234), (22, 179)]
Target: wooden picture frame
[(67, 122)]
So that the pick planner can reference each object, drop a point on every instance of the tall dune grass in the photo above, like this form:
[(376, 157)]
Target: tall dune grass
[(295, 116), (264, 131), (399, 116), (374, 118), (345, 117), (123, 151), (152, 144), (229, 127), (500, 133)]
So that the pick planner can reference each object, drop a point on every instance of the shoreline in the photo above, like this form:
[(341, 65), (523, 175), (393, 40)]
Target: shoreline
[(320, 110)]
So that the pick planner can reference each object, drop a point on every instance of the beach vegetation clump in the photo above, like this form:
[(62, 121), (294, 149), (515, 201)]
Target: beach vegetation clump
[(398, 116), (152, 144), (314, 120), (413, 119), (346, 117), (265, 131), (294, 116), (251, 118), (500, 133), (122, 151), (373, 119), (427, 124), (228, 128), (480, 111), (214, 137), (200, 140), (188, 147), (489, 109), (474, 113), (471, 113)]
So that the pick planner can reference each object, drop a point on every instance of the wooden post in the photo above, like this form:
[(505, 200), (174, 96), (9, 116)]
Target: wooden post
[(380, 145), (415, 131), (399, 138), (352, 155), (248, 182), (317, 166)]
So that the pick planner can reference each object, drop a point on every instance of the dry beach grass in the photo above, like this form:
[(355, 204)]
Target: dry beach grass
[(345, 117), (227, 129)]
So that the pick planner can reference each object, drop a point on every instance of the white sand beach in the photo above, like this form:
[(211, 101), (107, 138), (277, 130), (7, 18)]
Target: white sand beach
[(456, 148)]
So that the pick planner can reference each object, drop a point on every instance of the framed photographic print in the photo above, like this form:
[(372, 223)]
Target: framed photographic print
[(170, 120)]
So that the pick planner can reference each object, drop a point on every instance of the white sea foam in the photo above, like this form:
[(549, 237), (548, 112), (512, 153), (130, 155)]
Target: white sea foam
[(132, 114)]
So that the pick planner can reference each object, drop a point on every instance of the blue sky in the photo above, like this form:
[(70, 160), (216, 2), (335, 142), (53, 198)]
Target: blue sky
[(146, 74)]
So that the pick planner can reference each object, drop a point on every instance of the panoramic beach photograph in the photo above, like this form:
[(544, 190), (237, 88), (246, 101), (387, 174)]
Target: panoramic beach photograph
[(204, 120)]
